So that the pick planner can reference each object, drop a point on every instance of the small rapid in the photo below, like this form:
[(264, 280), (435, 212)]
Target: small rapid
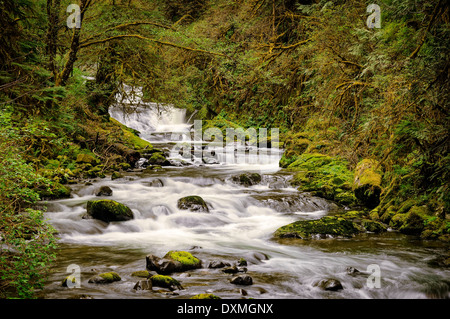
[(239, 224)]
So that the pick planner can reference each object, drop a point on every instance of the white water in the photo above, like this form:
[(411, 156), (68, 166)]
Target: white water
[(240, 223)]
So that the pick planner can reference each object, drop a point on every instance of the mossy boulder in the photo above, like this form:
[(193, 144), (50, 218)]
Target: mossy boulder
[(141, 273), (323, 227), (158, 158), (367, 182), (373, 226), (205, 296), (108, 210), (105, 278), (173, 261), (165, 282), (186, 259), (193, 203), (247, 179), (324, 176)]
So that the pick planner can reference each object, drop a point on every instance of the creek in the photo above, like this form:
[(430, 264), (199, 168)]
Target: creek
[(240, 224)]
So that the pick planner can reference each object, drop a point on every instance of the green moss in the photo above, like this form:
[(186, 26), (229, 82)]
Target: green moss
[(71, 278), (328, 225), (367, 183), (185, 258), (141, 273), (323, 176), (373, 226), (165, 282), (110, 276), (158, 158), (55, 191), (131, 139), (205, 296), (390, 212), (116, 175), (86, 158)]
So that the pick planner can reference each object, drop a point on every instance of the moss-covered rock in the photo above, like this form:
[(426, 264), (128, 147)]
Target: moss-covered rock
[(165, 282), (193, 203), (390, 212), (323, 227), (205, 296), (141, 273), (186, 259), (324, 176), (247, 179), (108, 210), (373, 226), (158, 158), (104, 190), (367, 183), (105, 278)]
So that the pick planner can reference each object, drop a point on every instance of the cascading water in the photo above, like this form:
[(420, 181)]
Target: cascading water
[(239, 224)]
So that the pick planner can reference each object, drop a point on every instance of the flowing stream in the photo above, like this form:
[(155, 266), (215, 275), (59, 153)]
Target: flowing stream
[(240, 224)]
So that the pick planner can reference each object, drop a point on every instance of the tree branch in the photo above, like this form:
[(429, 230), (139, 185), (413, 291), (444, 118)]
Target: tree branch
[(137, 36)]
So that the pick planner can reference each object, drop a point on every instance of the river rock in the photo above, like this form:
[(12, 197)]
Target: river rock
[(193, 203), (158, 159), (247, 179), (104, 191), (218, 264), (173, 261), (165, 282), (231, 270), (156, 183), (319, 228), (329, 284), (143, 285), (108, 210), (242, 280), (105, 278)]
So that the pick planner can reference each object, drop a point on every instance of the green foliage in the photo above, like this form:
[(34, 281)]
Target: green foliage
[(28, 242)]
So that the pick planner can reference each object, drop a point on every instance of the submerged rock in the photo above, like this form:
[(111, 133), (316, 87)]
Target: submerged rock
[(104, 191), (193, 203), (242, 280), (108, 210), (329, 284), (143, 285), (247, 179), (156, 183), (218, 264)]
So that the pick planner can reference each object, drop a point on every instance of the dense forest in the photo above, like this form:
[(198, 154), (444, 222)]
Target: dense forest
[(349, 101)]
